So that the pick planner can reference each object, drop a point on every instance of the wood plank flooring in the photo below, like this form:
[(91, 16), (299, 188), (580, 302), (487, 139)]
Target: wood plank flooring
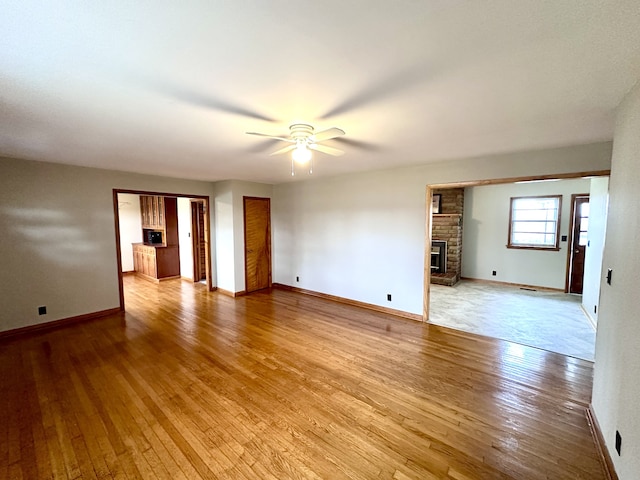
[(277, 385)]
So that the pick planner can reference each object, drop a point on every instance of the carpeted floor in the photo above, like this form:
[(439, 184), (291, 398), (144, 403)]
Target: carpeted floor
[(547, 320)]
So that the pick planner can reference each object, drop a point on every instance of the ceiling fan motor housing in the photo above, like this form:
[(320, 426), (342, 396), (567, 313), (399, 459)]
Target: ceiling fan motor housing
[(300, 131)]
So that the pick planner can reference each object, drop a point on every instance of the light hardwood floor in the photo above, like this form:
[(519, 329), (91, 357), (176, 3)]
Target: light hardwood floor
[(189, 384)]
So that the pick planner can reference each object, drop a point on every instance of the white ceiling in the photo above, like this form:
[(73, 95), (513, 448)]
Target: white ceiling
[(170, 88)]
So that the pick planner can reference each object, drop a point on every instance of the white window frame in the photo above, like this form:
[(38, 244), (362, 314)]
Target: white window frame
[(515, 225)]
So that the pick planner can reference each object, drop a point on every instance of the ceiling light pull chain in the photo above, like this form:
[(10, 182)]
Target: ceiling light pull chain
[(311, 166), (293, 172)]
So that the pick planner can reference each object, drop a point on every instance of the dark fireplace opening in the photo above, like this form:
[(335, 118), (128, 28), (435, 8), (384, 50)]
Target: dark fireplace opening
[(438, 256)]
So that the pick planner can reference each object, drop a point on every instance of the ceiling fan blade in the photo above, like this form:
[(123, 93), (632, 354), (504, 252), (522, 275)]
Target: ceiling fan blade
[(383, 88), (286, 149), (284, 139), (262, 145), (324, 149), (205, 100), (372, 147), (328, 134)]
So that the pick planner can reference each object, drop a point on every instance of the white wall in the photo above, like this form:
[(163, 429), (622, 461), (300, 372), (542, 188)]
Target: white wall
[(486, 229), (616, 388), (58, 237), (130, 227), (229, 215), (184, 237), (361, 236), (598, 204), (223, 215)]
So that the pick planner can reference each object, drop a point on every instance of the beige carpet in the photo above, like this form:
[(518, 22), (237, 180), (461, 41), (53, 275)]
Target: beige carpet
[(547, 320)]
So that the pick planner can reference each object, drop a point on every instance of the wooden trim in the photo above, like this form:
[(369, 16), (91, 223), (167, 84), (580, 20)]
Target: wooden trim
[(348, 301), (195, 258), (529, 247), (207, 243), (116, 219), (63, 322), (592, 321), (601, 446), (530, 178), (478, 183), (162, 194), (158, 280), (567, 279), (427, 254), (163, 279), (509, 284), (244, 227), (116, 216), (229, 293)]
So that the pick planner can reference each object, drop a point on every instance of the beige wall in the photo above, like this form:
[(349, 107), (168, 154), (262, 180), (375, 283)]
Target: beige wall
[(616, 389), (229, 224), (58, 238), (361, 236), (486, 232)]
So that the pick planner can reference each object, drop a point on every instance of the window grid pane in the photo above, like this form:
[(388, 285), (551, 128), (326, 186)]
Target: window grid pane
[(534, 221)]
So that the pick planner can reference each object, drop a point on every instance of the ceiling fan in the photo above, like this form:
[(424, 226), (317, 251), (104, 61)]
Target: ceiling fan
[(302, 140)]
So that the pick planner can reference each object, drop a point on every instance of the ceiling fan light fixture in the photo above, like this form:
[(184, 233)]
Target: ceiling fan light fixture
[(301, 154)]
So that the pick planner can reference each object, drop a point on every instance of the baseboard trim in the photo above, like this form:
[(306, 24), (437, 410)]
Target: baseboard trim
[(592, 320), (348, 301), (43, 327), (229, 293), (156, 280), (518, 285), (601, 446)]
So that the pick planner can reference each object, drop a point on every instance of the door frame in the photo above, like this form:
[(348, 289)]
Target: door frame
[(244, 221), (195, 239), (116, 219), (572, 220)]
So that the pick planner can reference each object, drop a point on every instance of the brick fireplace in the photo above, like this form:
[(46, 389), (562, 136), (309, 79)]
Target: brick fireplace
[(447, 227)]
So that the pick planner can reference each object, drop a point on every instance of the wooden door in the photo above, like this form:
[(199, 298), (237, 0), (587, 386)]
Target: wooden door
[(198, 238), (580, 226), (257, 243)]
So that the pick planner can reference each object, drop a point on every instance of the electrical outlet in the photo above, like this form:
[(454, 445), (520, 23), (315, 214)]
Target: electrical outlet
[(618, 442), (42, 310), (493, 273), (388, 297)]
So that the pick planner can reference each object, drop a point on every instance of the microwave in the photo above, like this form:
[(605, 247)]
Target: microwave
[(154, 238)]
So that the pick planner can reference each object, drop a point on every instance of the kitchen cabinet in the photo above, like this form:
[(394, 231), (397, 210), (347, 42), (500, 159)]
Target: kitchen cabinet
[(162, 261), (152, 212)]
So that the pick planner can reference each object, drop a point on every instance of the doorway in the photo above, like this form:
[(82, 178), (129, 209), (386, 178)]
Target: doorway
[(199, 242), (578, 242), (257, 243), (135, 214)]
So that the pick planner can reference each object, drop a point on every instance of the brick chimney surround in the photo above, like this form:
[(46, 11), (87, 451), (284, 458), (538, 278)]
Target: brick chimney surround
[(447, 226)]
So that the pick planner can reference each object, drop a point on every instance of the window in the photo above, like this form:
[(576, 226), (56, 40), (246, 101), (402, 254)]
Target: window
[(584, 224), (534, 222)]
